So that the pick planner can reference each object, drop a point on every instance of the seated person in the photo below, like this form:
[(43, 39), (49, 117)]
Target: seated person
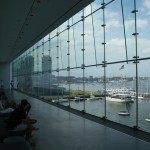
[(6, 108), (3, 101), (18, 120), (1, 106)]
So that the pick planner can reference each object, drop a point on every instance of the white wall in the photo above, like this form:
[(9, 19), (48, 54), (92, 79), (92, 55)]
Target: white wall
[(5, 75)]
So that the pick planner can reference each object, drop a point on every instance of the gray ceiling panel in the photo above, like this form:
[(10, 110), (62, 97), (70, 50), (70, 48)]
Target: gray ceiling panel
[(24, 22)]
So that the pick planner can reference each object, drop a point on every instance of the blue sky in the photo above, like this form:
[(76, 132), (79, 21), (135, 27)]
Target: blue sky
[(115, 47)]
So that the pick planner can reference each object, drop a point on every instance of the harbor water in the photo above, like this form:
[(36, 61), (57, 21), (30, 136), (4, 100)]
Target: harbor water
[(96, 107)]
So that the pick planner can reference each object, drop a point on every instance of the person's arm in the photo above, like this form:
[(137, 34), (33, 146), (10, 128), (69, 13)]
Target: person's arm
[(29, 107)]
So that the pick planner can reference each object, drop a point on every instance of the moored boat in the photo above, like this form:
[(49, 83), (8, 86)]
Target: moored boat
[(124, 113), (147, 119), (123, 98), (92, 97)]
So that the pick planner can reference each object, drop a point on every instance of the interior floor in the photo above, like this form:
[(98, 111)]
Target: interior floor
[(62, 130)]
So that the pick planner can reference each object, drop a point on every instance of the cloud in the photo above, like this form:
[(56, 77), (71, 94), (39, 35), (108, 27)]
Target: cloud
[(141, 23), (146, 50), (111, 14), (117, 23), (148, 13), (143, 44), (144, 47), (113, 23), (146, 3), (116, 42), (87, 10)]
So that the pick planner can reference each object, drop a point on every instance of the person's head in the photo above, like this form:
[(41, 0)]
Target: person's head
[(25, 104)]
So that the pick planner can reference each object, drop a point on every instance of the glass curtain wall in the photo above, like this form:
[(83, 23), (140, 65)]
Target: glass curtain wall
[(95, 62)]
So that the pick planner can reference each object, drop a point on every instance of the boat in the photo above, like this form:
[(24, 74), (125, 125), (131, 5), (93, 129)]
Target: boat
[(122, 98), (92, 97), (79, 98), (59, 100), (147, 119), (122, 95), (139, 97), (128, 91), (124, 113)]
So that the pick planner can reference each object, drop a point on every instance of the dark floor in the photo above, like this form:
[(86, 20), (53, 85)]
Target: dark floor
[(64, 130)]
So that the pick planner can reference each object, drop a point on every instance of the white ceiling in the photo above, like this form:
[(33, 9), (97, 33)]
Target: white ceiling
[(24, 22)]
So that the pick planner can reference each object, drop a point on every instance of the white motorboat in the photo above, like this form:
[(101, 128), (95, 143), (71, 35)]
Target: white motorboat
[(125, 91), (122, 98), (124, 113), (147, 119)]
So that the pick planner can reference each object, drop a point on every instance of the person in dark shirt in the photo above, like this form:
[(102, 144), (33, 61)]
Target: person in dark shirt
[(19, 121)]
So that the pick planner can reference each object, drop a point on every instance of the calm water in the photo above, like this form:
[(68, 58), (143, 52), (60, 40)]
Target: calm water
[(96, 107)]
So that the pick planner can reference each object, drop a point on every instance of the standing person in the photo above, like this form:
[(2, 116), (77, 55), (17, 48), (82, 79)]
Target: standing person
[(18, 120), (2, 84), (17, 84), (12, 84), (1, 105)]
